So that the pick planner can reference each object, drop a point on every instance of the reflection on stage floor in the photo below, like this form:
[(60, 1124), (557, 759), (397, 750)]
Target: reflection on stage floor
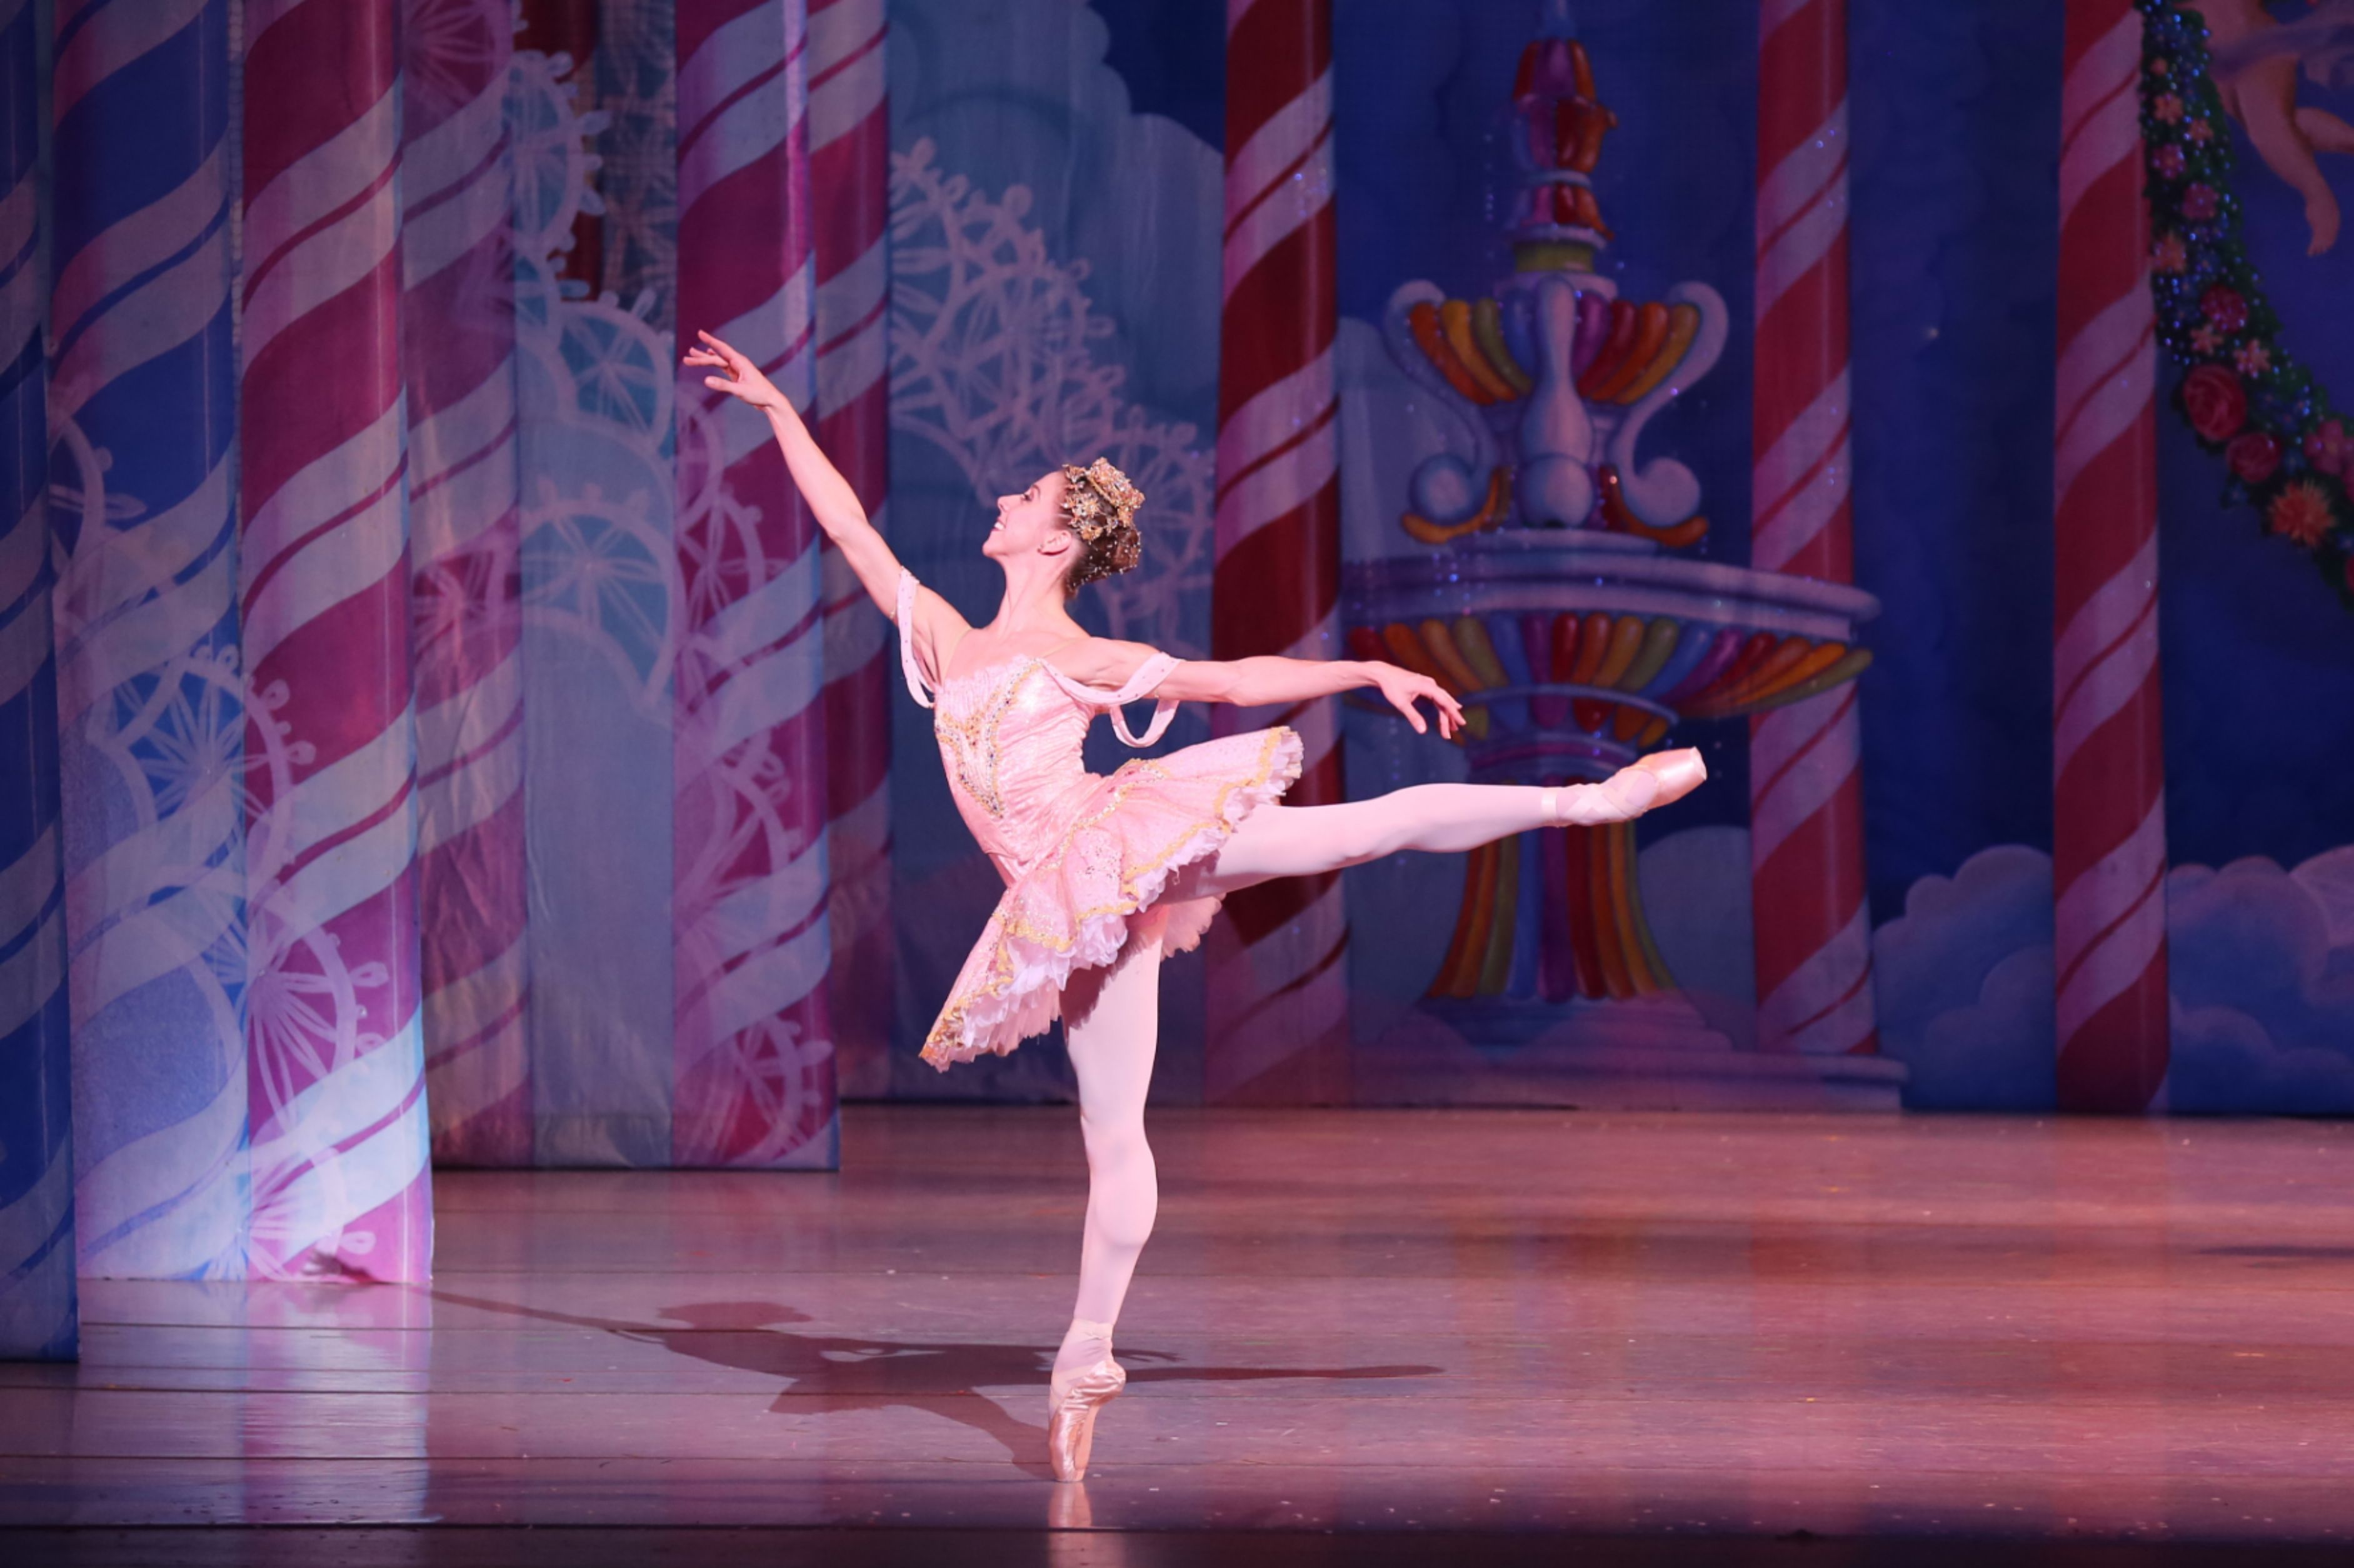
[(1626, 1326)]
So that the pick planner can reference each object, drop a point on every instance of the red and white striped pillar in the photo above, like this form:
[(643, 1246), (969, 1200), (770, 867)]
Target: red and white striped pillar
[(1278, 995), (2108, 818), (336, 1065), (1806, 798), (754, 1048), (849, 191), (458, 354)]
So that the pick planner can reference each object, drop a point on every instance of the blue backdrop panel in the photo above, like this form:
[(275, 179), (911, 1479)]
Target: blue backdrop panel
[(37, 1247)]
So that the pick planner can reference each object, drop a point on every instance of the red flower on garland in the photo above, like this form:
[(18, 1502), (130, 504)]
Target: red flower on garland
[(2200, 130), (2253, 457), (2200, 203), (2169, 160), (2300, 514), (2226, 306), (2167, 107), (2170, 254), (2328, 448), (2253, 358), (2214, 402)]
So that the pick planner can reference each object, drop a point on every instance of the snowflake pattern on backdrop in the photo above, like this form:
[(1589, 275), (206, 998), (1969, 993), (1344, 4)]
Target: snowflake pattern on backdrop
[(163, 747), (993, 361), (637, 98), (597, 564)]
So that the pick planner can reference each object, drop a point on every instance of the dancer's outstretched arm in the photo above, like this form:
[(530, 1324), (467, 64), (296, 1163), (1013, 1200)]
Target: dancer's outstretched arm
[(1258, 682), (831, 499)]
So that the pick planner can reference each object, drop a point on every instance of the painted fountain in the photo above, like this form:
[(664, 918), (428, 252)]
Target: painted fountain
[(1558, 597)]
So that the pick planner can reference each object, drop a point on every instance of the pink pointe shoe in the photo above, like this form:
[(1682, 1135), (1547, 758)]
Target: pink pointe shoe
[(1680, 772), (1649, 782), (1072, 1400)]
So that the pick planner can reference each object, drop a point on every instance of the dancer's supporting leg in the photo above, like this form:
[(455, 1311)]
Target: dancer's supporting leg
[(1111, 1019), (1302, 841)]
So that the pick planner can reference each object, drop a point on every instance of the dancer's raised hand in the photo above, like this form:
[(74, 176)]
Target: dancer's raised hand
[(742, 378), (830, 498), (1404, 688)]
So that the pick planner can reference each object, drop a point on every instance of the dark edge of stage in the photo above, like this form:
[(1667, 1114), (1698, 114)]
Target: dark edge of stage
[(631, 1546)]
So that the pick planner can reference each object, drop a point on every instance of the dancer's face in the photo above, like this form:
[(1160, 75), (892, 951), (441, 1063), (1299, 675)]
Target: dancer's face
[(1030, 523)]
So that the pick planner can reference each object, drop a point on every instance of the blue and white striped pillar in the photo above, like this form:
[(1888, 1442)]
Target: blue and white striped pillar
[(144, 399)]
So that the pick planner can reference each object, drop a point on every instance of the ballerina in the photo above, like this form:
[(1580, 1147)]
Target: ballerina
[(1105, 875)]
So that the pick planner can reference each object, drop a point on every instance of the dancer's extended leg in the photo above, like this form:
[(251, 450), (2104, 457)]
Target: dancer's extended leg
[(1112, 1021), (1302, 841)]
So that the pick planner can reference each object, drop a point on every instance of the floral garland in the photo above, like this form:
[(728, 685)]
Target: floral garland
[(2290, 455)]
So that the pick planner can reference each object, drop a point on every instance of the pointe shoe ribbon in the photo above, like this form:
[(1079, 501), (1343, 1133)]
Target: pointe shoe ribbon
[(1624, 795)]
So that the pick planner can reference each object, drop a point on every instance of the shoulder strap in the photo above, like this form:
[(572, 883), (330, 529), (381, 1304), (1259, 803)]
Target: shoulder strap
[(907, 665), (1149, 675)]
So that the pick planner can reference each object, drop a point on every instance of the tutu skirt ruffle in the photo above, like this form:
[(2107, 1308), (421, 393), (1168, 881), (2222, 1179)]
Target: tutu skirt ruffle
[(1075, 907)]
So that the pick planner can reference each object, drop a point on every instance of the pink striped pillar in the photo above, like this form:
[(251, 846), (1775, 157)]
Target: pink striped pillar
[(458, 347), (1806, 798), (754, 1049), (336, 1065), (849, 190), (2108, 818), (1278, 981)]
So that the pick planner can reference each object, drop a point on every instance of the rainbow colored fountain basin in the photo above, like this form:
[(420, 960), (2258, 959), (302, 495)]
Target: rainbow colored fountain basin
[(1574, 652)]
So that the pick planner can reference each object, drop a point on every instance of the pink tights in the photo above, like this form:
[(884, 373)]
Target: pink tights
[(1112, 1016)]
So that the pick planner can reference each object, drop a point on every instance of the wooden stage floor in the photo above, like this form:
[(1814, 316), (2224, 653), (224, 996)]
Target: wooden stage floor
[(1490, 1324)]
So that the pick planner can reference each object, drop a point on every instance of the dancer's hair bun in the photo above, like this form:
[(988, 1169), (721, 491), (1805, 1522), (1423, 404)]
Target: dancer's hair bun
[(1100, 504)]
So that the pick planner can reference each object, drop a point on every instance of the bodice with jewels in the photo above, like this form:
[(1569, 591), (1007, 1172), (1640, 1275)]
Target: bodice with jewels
[(1010, 738)]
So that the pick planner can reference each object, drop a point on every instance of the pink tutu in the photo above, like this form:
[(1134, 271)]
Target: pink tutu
[(1073, 908), (1084, 858)]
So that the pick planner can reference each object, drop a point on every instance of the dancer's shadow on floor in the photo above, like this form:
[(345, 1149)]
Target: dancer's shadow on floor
[(830, 1372)]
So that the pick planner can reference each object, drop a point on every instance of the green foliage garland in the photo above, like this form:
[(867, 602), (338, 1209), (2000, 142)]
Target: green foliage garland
[(2290, 454)]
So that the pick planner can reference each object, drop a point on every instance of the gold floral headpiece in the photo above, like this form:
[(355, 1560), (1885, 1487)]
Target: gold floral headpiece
[(1099, 497)]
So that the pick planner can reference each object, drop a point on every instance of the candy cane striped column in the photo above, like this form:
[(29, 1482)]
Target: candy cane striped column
[(337, 1061), (754, 1047), (152, 716), (1278, 981), (1806, 797), (38, 1316), (850, 188), (2108, 820), (457, 187)]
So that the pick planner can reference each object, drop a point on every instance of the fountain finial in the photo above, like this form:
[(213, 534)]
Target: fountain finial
[(1557, 141)]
